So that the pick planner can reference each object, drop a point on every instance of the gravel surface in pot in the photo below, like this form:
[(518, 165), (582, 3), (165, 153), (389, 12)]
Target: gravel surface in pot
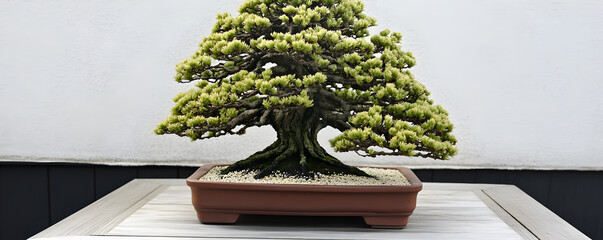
[(381, 176)]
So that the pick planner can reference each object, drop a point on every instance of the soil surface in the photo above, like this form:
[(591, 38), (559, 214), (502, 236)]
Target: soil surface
[(380, 176)]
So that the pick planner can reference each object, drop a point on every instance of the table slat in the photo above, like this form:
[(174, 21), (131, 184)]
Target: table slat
[(105, 213), (536, 218), (451, 214)]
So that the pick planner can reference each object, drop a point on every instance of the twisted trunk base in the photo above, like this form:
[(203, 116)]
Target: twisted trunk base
[(296, 151)]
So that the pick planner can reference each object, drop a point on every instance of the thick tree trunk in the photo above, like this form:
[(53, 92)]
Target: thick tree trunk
[(296, 151)]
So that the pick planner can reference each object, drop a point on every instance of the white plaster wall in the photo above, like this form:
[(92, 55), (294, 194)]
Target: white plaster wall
[(88, 80)]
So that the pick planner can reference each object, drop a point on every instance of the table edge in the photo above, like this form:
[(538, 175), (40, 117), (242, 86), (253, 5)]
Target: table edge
[(502, 199), (531, 214), (99, 216)]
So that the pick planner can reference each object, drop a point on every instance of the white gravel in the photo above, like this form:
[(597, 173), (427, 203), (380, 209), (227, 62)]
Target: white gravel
[(381, 177)]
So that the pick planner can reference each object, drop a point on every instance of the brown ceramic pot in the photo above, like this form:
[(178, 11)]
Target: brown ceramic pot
[(380, 206)]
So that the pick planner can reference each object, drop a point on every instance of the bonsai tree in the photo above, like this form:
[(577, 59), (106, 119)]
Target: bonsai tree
[(300, 66)]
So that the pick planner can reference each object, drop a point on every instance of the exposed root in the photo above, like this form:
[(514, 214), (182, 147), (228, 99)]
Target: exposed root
[(293, 160), (296, 152)]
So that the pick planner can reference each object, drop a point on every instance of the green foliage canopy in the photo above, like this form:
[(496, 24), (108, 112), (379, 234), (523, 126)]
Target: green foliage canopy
[(281, 55)]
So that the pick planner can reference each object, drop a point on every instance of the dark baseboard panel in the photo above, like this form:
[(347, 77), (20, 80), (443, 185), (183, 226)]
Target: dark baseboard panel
[(34, 196)]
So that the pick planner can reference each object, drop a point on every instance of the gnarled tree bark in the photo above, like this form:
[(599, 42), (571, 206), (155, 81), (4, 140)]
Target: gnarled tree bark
[(296, 151)]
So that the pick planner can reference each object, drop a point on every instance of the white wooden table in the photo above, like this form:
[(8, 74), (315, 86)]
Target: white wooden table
[(153, 209)]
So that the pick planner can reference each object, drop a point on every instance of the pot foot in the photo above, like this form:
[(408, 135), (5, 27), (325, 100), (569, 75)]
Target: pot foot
[(386, 221), (217, 217)]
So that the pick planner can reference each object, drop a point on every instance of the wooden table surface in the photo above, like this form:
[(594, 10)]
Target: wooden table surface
[(153, 209)]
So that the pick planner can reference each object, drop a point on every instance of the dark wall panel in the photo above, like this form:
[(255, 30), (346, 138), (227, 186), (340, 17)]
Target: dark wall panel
[(157, 172), (71, 189), (459, 176), (109, 178), (33, 196), (531, 182), (184, 172), (577, 197), (425, 175), (23, 201), (493, 176), (534, 183)]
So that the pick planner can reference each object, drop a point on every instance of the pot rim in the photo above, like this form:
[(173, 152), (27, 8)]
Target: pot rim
[(415, 184)]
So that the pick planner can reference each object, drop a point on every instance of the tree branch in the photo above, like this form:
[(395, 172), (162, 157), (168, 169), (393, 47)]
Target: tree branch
[(338, 121)]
